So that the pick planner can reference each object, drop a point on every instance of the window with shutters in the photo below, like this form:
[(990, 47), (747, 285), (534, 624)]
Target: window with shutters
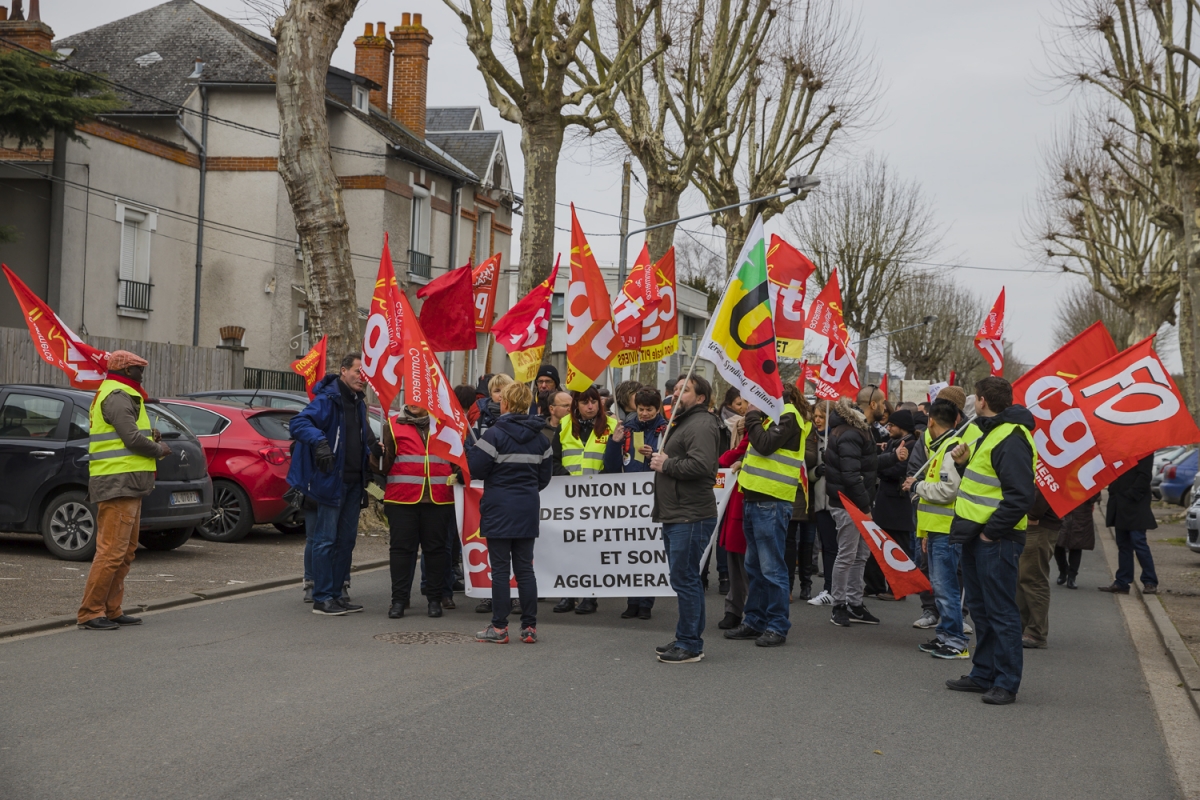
[(133, 274)]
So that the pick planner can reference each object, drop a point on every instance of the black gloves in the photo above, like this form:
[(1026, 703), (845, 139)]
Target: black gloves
[(377, 450), (324, 457)]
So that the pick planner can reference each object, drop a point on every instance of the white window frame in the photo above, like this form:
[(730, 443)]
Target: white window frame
[(420, 230), (361, 99), (144, 219), (483, 236)]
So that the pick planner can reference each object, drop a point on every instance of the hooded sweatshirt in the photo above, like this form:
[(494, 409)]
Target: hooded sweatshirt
[(1012, 460)]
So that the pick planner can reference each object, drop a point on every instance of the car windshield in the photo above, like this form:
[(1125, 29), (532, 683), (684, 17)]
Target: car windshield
[(166, 423), (273, 426), (202, 422)]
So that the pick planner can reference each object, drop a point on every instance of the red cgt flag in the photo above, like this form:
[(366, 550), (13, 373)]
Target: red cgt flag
[(485, 278), (448, 315), (788, 271), (311, 366), (522, 331), (1132, 405), (57, 344), (1071, 468), (637, 297), (990, 339), (902, 574), (825, 314), (382, 343), (839, 370)]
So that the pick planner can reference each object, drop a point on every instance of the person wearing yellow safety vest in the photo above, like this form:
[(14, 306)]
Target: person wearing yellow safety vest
[(936, 488), (995, 495), (584, 436), (770, 478), (122, 451)]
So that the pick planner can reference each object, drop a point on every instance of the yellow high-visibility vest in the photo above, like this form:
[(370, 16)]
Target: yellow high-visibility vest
[(979, 493), (107, 454), (781, 473), (583, 458), (936, 517)]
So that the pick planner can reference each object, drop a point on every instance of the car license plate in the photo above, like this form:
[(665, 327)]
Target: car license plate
[(184, 498)]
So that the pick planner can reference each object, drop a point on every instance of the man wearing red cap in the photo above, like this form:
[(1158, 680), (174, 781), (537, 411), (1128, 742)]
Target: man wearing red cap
[(122, 449)]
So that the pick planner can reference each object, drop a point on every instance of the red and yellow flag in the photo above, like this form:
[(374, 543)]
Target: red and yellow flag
[(522, 331), (311, 366), (382, 343), (789, 271), (57, 344), (592, 342)]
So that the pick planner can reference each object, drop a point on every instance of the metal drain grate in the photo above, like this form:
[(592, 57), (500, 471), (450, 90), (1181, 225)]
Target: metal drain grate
[(426, 637)]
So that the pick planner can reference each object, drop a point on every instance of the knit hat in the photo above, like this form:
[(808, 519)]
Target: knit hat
[(120, 359), (549, 371), (954, 394), (902, 419), (482, 388)]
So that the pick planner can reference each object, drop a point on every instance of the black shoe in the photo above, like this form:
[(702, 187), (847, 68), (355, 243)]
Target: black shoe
[(643, 613), (448, 602), (930, 646), (435, 608), (771, 639), (308, 589), (730, 621), (630, 612), (396, 611), (861, 615), (841, 616), (1062, 578), (723, 584), (1114, 588), (677, 655), (1071, 582), (996, 696), (346, 604), (330, 608), (99, 624), (565, 605), (484, 607), (743, 631), (587, 605), (125, 619), (965, 684), (663, 648), (806, 591)]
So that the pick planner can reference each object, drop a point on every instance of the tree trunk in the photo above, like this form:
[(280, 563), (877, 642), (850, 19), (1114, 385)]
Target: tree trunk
[(863, 349), (306, 36), (1187, 179), (662, 205), (541, 144)]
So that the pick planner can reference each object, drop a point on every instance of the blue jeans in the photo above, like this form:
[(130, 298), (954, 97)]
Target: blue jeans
[(685, 543), (767, 607), (1130, 543), (943, 558), (333, 531), (990, 579)]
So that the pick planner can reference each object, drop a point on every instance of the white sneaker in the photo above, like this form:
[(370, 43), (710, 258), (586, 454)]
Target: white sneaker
[(823, 599), (928, 620), (967, 629)]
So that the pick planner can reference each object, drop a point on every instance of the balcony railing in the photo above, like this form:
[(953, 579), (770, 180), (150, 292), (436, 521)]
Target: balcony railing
[(420, 264), (134, 295), (278, 380)]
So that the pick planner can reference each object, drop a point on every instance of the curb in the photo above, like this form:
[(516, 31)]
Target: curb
[(225, 592)]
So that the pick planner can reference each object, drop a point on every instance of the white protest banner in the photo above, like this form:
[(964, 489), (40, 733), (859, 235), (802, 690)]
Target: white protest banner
[(596, 538)]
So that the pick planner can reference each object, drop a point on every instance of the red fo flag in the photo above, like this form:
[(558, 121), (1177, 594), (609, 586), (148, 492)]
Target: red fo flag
[(485, 278), (311, 366), (425, 385), (902, 574), (990, 338), (382, 342), (522, 331), (1133, 406), (448, 315), (637, 298), (788, 271), (1071, 467), (825, 314), (57, 344)]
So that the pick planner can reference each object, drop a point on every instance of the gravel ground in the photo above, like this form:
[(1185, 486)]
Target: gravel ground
[(34, 584)]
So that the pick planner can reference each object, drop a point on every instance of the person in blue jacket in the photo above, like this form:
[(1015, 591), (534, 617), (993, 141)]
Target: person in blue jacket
[(514, 460), (329, 466), (627, 451)]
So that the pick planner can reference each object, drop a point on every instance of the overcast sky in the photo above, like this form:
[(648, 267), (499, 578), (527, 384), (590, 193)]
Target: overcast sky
[(964, 106)]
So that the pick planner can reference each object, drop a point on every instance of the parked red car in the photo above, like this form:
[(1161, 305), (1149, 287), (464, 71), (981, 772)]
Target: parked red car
[(248, 453)]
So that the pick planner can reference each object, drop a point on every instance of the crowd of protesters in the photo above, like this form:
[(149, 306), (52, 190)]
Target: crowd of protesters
[(951, 481)]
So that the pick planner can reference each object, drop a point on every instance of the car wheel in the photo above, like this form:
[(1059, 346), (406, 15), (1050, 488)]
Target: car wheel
[(232, 515), (1186, 500), (293, 526), (164, 540), (69, 527)]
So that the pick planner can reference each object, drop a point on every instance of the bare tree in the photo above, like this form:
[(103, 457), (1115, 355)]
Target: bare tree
[(1080, 306), (870, 226), (926, 352), (1143, 57), (533, 80), (1099, 216), (700, 268), (306, 35)]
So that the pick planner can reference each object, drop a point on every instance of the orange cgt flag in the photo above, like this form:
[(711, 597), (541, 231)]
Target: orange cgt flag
[(592, 342), (382, 343), (522, 331), (57, 344), (902, 574), (311, 366), (825, 314)]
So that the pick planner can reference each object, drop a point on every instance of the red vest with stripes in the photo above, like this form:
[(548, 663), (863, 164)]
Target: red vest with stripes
[(414, 468)]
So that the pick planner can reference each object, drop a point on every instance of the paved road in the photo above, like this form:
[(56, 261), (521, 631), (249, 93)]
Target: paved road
[(256, 698)]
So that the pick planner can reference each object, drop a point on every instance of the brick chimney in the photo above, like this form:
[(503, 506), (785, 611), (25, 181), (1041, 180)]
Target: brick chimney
[(28, 31), (373, 60), (410, 73)]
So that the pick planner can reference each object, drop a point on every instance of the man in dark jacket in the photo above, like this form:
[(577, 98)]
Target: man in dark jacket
[(329, 465), (1129, 514), (851, 468), (686, 507), (514, 461), (893, 509), (996, 494)]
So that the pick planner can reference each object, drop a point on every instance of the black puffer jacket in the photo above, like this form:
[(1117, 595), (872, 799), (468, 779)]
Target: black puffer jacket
[(851, 458), (893, 506), (1012, 461)]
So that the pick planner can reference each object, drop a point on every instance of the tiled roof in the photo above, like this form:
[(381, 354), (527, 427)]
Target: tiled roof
[(457, 118), (421, 151), (474, 149)]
